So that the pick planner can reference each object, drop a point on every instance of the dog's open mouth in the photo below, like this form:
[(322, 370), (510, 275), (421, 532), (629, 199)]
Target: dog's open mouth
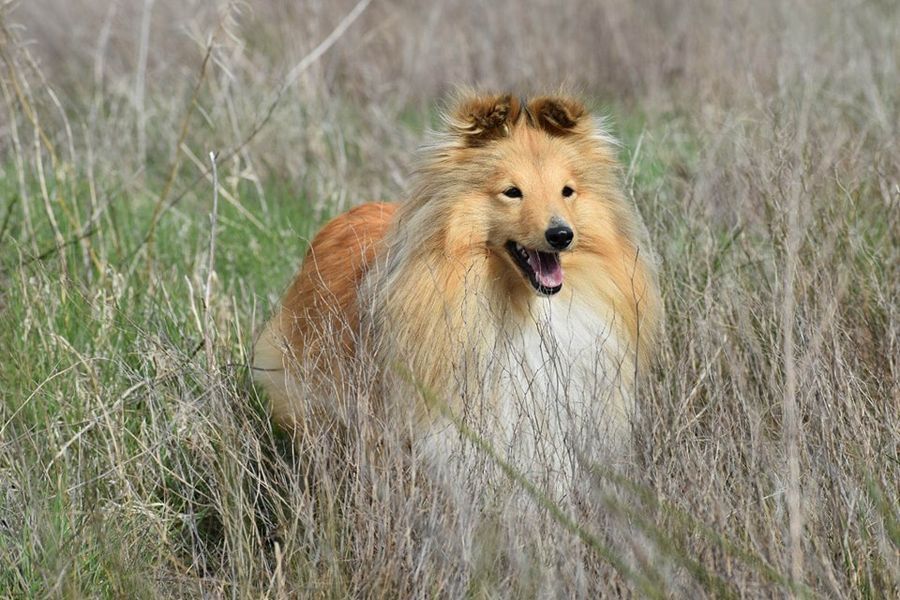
[(542, 269)]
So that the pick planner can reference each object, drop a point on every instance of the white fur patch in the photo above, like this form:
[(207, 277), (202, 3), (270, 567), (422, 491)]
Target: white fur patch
[(560, 385)]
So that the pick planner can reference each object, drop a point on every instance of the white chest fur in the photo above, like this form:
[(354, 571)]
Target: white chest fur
[(560, 382), (563, 348), (565, 392)]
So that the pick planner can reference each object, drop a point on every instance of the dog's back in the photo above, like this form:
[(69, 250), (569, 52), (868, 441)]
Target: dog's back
[(318, 319)]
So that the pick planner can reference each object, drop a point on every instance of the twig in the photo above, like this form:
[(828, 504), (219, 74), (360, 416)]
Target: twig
[(22, 95), (205, 172), (6, 218), (87, 232), (141, 81), (210, 269), (306, 62), (295, 72), (176, 161), (89, 229), (790, 410), (33, 393)]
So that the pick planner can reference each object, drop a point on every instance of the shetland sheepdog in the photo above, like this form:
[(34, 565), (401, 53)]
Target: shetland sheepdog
[(513, 288)]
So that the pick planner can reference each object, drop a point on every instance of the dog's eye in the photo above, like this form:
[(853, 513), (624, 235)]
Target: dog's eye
[(512, 192), (567, 191)]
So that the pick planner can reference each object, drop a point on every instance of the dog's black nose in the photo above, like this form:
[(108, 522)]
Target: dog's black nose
[(559, 237)]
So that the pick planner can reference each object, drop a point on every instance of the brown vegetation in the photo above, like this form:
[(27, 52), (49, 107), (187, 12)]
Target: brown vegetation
[(760, 144)]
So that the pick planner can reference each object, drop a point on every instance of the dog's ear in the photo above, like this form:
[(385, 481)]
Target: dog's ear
[(478, 119), (556, 115)]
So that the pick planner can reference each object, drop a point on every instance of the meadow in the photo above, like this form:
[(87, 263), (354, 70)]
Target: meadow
[(760, 142)]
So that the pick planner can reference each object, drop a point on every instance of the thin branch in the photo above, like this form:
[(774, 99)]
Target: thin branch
[(6, 217), (211, 265), (298, 69), (790, 409), (176, 161), (292, 76)]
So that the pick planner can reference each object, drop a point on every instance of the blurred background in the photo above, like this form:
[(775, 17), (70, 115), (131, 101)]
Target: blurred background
[(760, 144), (136, 64)]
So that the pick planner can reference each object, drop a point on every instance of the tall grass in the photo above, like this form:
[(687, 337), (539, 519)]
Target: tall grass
[(136, 459)]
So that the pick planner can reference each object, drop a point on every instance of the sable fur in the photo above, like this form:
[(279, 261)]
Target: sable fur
[(426, 285)]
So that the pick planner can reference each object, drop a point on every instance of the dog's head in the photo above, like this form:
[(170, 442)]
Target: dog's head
[(529, 181)]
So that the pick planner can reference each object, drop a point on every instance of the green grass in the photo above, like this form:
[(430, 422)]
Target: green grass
[(97, 321), (137, 462), (100, 318), (93, 329)]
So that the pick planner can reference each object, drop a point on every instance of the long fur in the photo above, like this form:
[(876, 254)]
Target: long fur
[(427, 289)]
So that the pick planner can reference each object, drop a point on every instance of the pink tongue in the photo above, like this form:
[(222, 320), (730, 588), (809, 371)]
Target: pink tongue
[(547, 269)]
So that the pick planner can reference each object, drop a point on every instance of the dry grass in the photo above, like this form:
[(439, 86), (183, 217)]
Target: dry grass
[(760, 145)]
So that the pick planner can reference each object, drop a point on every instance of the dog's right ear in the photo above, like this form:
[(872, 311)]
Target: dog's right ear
[(557, 115), (478, 119)]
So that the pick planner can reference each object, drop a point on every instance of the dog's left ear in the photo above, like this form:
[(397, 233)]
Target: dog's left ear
[(557, 115)]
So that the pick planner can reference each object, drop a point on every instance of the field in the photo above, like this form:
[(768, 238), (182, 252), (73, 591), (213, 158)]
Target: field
[(760, 141)]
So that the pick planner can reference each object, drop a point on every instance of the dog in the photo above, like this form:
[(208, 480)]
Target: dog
[(511, 296)]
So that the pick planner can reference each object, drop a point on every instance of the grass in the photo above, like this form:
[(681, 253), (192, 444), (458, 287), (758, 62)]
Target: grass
[(136, 459)]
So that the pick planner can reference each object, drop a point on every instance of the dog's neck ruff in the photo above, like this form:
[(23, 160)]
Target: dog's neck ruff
[(552, 392)]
